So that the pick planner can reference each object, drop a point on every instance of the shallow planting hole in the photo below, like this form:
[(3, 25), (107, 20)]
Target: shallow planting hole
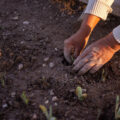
[(64, 62)]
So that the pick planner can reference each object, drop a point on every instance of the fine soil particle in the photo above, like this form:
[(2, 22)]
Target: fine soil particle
[(32, 30)]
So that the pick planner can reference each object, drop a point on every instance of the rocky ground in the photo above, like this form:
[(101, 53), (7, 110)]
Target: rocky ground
[(32, 65)]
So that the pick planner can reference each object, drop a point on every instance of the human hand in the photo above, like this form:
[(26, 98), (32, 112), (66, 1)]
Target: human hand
[(96, 55), (73, 46), (77, 42)]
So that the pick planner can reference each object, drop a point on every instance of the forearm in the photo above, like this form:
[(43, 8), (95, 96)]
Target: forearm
[(100, 8), (88, 24)]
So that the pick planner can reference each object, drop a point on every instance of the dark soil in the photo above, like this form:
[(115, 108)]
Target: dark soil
[(28, 44)]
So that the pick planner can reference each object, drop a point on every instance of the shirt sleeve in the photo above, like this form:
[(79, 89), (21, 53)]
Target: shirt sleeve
[(116, 33), (99, 8)]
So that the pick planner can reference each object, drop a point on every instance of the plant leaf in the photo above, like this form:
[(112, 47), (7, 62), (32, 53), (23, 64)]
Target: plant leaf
[(84, 95), (50, 112), (103, 76), (79, 93), (53, 118), (44, 110), (118, 114), (117, 110), (24, 98)]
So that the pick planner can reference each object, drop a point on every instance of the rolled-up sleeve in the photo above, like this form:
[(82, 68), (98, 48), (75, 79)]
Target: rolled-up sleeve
[(99, 8), (116, 33)]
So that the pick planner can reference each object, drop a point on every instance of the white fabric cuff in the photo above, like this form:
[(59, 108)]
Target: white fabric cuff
[(116, 33), (99, 8)]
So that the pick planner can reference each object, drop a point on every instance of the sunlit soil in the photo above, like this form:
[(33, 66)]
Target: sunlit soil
[(70, 6)]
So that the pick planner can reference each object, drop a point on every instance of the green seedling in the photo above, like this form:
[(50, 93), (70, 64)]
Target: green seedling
[(2, 79), (99, 113), (24, 98), (72, 54), (47, 114), (103, 76), (79, 93), (117, 108), (72, 58)]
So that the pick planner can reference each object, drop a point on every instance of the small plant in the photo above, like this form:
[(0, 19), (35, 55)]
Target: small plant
[(2, 79), (72, 58), (117, 108), (103, 75), (72, 54), (99, 113), (24, 98), (79, 93), (48, 115)]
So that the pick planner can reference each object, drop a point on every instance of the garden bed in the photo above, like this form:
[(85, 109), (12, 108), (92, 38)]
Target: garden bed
[(32, 34)]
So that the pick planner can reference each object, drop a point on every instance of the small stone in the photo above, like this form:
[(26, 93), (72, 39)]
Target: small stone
[(5, 105), (34, 117), (15, 18), (22, 42), (20, 66), (54, 98), (26, 22), (56, 104), (44, 65), (51, 92), (47, 101), (56, 49), (46, 59), (51, 65), (13, 94)]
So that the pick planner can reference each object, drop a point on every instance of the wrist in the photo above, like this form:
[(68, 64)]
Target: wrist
[(90, 20), (115, 46), (87, 26), (84, 32)]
